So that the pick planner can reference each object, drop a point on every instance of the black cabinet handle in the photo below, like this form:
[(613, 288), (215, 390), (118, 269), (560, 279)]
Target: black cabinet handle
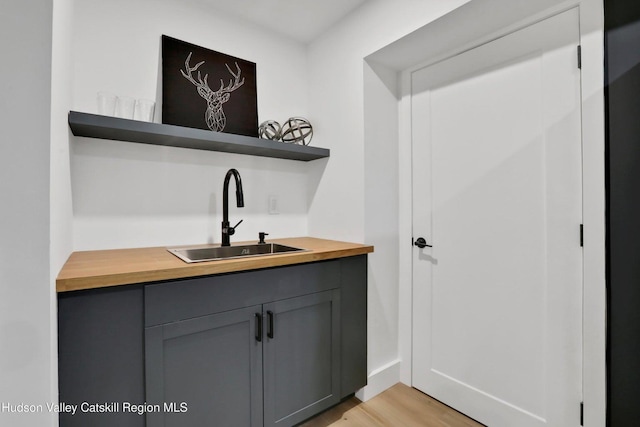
[(270, 330), (259, 327)]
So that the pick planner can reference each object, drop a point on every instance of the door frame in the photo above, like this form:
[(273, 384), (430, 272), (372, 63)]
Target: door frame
[(539, 56), (593, 131)]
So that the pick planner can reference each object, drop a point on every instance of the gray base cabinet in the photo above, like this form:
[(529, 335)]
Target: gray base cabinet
[(269, 347), (101, 356), (301, 357), (205, 371)]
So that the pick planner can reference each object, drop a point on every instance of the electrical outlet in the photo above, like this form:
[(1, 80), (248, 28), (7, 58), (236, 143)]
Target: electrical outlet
[(273, 205)]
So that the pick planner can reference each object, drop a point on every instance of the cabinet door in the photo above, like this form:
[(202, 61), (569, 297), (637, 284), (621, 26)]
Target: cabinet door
[(301, 357), (206, 371)]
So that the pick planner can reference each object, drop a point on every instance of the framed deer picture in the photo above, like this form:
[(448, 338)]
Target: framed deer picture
[(205, 89)]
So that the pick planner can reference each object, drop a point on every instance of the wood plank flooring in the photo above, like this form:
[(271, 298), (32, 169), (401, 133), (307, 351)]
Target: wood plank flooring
[(399, 406)]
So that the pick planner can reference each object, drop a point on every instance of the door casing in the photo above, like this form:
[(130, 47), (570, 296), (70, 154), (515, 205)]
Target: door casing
[(454, 36)]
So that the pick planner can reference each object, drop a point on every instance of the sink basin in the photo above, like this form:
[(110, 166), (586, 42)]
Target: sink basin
[(200, 254)]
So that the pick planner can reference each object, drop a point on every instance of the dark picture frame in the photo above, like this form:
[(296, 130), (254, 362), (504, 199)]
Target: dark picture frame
[(205, 89)]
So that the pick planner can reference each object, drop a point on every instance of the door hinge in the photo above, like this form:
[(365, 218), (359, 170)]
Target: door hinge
[(581, 413), (581, 235), (579, 57)]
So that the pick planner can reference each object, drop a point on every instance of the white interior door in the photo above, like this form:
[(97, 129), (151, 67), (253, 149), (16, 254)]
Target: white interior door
[(497, 183)]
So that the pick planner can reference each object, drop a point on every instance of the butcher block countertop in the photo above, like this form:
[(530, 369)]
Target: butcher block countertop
[(114, 267)]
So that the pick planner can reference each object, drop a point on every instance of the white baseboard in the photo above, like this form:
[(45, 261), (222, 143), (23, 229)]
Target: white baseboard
[(380, 379)]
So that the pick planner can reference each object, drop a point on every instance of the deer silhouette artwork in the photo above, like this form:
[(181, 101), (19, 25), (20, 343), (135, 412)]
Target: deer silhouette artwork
[(214, 116)]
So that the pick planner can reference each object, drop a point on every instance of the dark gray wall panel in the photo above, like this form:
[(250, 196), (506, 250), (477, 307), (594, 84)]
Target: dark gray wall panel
[(622, 69)]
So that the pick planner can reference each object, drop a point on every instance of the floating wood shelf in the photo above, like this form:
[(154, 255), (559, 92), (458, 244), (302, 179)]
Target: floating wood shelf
[(113, 128)]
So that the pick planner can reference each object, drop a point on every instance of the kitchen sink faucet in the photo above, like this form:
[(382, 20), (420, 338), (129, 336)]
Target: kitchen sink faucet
[(226, 229)]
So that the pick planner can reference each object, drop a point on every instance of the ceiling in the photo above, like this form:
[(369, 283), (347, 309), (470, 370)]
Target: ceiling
[(301, 20)]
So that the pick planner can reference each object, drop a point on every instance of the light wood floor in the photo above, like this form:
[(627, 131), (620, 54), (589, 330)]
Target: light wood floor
[(400, 406)]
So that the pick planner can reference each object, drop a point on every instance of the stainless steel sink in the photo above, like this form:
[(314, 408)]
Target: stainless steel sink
[(200, 254)]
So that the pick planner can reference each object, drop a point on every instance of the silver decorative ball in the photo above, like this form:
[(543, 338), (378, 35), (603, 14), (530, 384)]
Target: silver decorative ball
[(270, 130), (297, 130)]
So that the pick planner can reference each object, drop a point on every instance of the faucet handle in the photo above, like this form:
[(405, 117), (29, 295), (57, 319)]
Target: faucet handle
[(261, 237), (232, 230)]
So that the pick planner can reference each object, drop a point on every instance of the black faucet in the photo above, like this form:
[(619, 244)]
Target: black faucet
[(226, 229)]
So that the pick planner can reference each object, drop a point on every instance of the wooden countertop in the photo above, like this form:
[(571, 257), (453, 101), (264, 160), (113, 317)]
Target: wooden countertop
[(98, 269)]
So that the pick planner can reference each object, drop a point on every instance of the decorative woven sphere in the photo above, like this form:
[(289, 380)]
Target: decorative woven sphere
[(297, 130), (270, 130)]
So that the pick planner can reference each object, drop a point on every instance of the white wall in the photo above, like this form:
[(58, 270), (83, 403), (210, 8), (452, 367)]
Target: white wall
[(61, 78), (381, 169), (356, 197), (132, 195), (61, 219), (25, 294)]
